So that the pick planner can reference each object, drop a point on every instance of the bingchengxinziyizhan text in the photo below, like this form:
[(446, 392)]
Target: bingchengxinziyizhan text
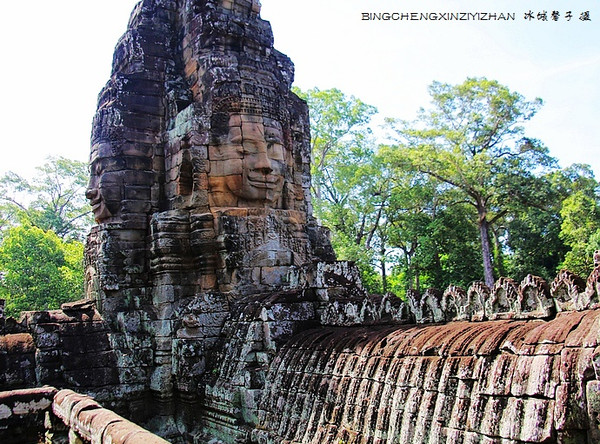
[(540, 16)]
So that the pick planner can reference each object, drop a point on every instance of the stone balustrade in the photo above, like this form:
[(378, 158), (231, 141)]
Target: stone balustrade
[(532, 298), (48, 415), (23, 413)]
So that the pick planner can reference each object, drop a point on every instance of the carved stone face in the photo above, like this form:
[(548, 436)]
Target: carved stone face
[(247, 167), (104, 188)]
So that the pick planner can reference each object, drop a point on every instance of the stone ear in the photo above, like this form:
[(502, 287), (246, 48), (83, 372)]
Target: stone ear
[(185, 181)]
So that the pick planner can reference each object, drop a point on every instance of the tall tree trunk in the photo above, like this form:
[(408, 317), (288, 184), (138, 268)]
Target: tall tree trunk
[(488, 271), (498, 255), (383, 272), (417, 280), (383, 277)]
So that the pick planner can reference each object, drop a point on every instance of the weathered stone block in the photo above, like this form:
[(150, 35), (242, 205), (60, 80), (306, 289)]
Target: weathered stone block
[(536, 376), (161, 380), (593, 409)]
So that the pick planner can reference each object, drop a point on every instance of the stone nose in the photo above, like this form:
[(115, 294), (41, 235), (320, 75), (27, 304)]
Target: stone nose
[(262, 162), (90, 193)]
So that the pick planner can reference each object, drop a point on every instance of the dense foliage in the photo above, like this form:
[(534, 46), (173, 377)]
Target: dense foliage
[(42, 223), (461, 194), (346, 180), (39, 270), (53, 200)]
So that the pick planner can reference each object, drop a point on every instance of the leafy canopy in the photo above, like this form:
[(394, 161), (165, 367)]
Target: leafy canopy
[(53, 200), (345, 180), (39, 270), (464, 194), (472, 141)]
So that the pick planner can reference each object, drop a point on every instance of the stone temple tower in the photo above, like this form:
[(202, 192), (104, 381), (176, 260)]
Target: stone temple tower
[(200, 187), (197, 128)]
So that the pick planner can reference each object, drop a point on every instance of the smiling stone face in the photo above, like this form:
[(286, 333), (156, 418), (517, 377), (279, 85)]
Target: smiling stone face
[(104, 187), (248, 164)]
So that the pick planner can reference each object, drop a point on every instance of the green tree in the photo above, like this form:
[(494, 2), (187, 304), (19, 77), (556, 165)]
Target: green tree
[(533, 242), (354, 209), (553, 225), (39, 270), (336, 123), (348, 190), (533, 231), (472, 140), (411, 207), (53, 200), (580, 217), (580, 230), (432, 231)]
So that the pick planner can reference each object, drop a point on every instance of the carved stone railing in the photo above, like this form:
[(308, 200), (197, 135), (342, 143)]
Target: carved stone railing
[(532, 298), (343, 301), (51, 416), (23, 413)]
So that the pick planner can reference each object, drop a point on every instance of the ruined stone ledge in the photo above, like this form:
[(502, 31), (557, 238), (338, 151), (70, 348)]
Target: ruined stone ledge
[(26, 401), (24, 419), (22, 414), (60, 317), (17, 343)]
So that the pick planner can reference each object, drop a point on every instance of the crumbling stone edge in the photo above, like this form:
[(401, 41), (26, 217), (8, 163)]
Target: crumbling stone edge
[(533, 298), (65, 416)]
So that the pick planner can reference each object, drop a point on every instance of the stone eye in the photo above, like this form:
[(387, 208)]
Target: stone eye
[(272, 140)]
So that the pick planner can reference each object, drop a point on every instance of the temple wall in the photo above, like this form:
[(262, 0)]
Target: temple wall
[(506, 381), (513, 364), (75, 348)]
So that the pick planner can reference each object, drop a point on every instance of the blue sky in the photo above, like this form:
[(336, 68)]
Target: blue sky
[(59, 54), (390, 64)]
